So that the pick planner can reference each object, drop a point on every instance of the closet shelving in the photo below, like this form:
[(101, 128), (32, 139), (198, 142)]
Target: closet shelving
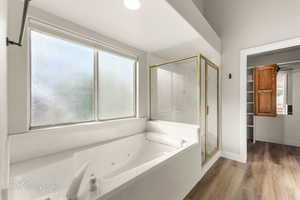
[(250, 104)]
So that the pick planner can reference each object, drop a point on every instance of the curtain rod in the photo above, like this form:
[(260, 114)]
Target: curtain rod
[(288, 63), (19, 43), (285, 66)]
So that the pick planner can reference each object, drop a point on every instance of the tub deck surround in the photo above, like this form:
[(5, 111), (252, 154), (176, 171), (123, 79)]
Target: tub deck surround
[(116, 165), (52, 180), (187, 132), (42, 142)]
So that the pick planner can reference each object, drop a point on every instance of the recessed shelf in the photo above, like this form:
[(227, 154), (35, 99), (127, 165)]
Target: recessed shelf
[(250, 103)]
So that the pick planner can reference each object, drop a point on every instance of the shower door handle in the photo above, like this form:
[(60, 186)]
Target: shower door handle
[(207, 109)]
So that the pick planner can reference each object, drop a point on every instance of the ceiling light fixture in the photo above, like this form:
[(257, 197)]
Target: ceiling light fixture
[(132, 4)]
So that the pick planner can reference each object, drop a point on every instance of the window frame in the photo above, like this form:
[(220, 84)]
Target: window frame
[(96, 47), (134, 87), (285, 93)]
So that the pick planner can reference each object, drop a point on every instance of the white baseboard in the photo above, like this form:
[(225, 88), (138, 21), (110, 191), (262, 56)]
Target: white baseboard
[(234, 156), (295, 142), (269, 140)]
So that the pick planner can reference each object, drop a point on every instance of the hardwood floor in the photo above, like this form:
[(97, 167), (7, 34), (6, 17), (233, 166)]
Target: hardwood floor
[(272, 173)]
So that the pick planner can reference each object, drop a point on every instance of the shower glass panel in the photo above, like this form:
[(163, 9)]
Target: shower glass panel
[(211, 110), (175, 91), (186, 91)]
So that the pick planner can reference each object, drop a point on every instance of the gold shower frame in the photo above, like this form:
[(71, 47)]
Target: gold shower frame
[(199, 69)]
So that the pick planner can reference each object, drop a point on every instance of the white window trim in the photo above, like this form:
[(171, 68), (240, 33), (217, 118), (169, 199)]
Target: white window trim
[(63, 34), (84, 39), (285, 93)]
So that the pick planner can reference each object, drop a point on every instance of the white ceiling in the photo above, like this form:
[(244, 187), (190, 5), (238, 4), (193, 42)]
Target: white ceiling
[(156, 26)]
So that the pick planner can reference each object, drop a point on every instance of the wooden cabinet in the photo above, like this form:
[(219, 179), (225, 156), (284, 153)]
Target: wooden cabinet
[(265, 81)]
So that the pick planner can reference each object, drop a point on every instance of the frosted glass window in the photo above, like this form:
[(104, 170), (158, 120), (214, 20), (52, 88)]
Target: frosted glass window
[(116, 86), (62, 81), (282, 93)]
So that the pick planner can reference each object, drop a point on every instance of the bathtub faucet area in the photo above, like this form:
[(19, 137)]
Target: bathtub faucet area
[(73, 190)]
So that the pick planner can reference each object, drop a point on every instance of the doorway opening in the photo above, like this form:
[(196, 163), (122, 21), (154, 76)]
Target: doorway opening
[(285, 55)]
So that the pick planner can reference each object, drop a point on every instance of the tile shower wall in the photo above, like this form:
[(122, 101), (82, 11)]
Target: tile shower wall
[(173, 89)]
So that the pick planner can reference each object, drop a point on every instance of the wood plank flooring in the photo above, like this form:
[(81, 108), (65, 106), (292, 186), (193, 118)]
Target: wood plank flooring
[(271, 173)]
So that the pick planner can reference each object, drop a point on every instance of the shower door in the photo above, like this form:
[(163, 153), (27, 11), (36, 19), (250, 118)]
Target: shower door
[(186, 90), (212, 110)]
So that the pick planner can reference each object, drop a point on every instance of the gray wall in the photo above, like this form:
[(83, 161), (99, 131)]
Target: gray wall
[(291, 122), (191, 14), (200, 5), (275, 57), (3, 94), (241, 25)]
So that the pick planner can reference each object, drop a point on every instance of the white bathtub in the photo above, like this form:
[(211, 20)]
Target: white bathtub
[(115, 164)]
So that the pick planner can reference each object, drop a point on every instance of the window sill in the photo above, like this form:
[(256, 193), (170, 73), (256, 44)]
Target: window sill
[(282, 114), (81, 125)]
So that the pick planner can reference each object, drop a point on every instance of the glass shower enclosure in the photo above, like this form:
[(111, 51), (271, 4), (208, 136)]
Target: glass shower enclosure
[(186, 90)]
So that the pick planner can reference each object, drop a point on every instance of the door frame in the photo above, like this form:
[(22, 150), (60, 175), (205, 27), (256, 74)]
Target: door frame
[(243, 85)]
